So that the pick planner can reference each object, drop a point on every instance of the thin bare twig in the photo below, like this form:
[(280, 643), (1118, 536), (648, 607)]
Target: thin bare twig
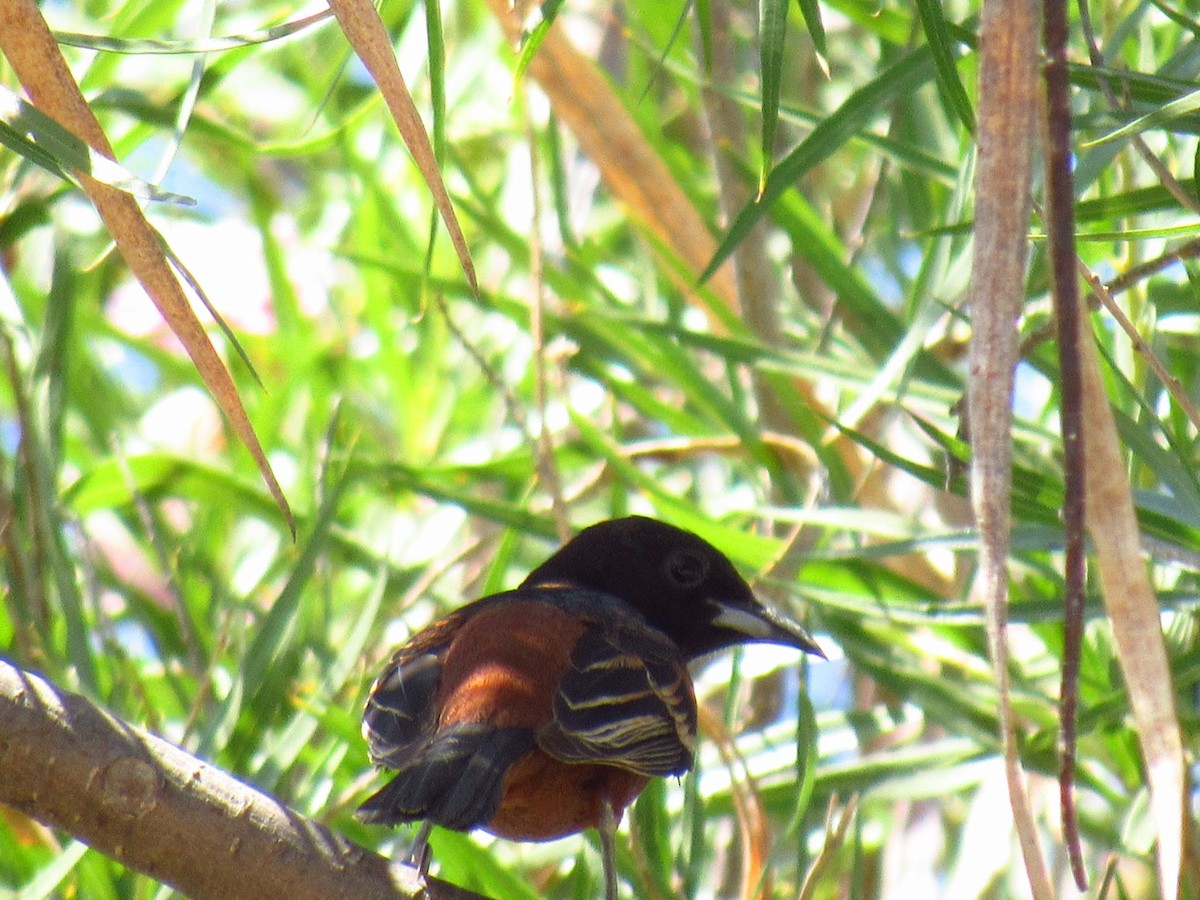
[(1060, 226), (1103, 297), (1173, 385), (1134, 274), (835, 838), (515, 411)]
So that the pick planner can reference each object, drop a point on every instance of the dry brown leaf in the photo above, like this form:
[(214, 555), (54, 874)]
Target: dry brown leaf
[(366, 33), (1007, 99), (27, 43), (1134, 613)]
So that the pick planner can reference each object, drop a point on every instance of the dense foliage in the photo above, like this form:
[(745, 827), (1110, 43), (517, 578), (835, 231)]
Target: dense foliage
[(804, 416)]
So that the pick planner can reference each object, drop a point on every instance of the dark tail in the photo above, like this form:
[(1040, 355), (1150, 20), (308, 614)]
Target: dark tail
[(457, 781)]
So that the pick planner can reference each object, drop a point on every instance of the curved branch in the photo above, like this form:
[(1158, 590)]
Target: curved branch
[(161, 811)]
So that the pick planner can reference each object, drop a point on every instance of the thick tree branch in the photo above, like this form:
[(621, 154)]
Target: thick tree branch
[(161, 811)]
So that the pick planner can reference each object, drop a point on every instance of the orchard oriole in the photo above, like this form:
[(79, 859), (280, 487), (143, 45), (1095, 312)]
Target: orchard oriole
[(542, 711)]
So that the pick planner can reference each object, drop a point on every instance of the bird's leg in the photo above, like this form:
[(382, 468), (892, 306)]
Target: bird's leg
[(409, 871), (418, 853), (608, 848)]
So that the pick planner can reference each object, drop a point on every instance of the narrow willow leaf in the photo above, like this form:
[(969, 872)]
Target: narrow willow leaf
[(533, 41), (49, 880), (704, 18), (364, 29), (772, 35), (437, 76), (944, 54), (1008, 98), (1188, 22), (630, 165), (30, 132), (30, 48), (1134, 612), (680, 21), (1181, 106), (147, 47), (811, 10), (276, 633)]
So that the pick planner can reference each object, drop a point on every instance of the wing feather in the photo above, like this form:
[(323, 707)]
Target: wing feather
[(626, 701), (401, 713)]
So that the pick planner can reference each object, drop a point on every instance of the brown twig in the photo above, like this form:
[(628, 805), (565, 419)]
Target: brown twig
[(1173, 385), (1134, 274), (1060, 226)]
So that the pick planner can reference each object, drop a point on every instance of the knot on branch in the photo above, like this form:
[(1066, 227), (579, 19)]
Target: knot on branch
[(128, 787)]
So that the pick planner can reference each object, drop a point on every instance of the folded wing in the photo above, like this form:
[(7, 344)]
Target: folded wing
[(626, 701)]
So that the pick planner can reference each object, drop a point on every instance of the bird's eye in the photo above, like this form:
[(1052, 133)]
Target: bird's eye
[(686, 569)]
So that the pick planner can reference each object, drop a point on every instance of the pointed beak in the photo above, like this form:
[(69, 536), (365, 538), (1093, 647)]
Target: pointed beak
[(756, 623)]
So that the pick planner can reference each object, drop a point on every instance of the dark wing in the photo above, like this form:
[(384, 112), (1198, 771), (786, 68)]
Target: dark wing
[(626, 701), (401, 712)]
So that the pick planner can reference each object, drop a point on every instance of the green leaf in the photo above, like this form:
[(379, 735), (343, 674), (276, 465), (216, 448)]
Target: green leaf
[(148, 47), (33, 134), (855, 114), (811, 10), (532, 41), (49, 880), (1158, 118), (772, 36), (704, 23), (945, 53)]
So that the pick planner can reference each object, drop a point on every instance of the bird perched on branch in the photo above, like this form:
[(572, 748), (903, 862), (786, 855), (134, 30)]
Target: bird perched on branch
[(542, 711)]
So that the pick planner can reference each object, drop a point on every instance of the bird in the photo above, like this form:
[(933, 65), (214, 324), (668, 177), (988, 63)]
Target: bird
[(543, 711)]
